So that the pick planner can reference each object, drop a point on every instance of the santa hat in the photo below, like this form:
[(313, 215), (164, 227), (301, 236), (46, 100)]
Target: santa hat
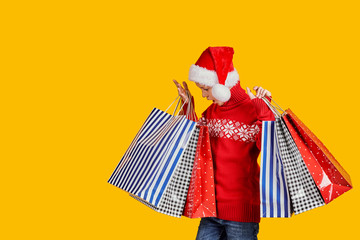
[(215, 69)]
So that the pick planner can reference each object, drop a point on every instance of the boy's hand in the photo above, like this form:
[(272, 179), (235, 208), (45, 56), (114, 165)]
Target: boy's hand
[(182, 90), (260, 92)]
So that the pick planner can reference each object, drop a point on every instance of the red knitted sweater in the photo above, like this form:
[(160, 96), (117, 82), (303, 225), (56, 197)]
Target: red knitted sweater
[(235, 138)]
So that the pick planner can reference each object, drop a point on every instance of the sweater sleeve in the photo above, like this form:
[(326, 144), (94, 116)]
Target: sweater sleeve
[(192, 115), (263, 114)]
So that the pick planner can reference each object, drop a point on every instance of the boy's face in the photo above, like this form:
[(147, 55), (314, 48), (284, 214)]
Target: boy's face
[(207, 93)]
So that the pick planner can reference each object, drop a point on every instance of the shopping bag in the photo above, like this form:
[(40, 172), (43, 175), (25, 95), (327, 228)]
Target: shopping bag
[(303, 191), (151, 159), (274, 193), (175, 194), (330, 177), (200, 201)]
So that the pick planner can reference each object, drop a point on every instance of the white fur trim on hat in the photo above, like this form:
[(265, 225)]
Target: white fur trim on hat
[(232, 78), (202, 75), (209, 77), (221, 92)]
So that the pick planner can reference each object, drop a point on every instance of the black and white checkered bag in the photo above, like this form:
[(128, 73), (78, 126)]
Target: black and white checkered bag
[(173, 201), (304, 194)]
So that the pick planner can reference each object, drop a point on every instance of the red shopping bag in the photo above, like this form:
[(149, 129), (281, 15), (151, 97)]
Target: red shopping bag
[(330, 177), (200, 201)]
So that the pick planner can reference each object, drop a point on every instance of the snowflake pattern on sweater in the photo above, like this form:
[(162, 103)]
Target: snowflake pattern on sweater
[(234, 130)]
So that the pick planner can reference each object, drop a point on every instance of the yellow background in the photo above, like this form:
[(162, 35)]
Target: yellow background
[(78, 78)]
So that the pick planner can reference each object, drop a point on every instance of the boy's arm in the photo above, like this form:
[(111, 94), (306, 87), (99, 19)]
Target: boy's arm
[(262, 110), (264, 114)]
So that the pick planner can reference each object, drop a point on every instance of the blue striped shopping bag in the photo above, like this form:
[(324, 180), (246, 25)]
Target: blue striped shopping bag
[(174, 198), (150, 161), (274, 193)]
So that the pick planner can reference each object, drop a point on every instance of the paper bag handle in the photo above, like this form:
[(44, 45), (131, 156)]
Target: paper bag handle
[(177, 105), (273, 108)]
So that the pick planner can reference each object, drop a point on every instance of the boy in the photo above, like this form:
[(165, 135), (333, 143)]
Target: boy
[(234, 121)]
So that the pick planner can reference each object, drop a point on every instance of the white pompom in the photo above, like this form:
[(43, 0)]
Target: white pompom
[(221, 93)]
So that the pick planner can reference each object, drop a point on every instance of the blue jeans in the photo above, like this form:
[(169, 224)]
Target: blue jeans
[(212, 228)]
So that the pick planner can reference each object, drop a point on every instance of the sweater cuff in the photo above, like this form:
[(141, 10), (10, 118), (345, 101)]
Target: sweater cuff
[(262, 109)]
